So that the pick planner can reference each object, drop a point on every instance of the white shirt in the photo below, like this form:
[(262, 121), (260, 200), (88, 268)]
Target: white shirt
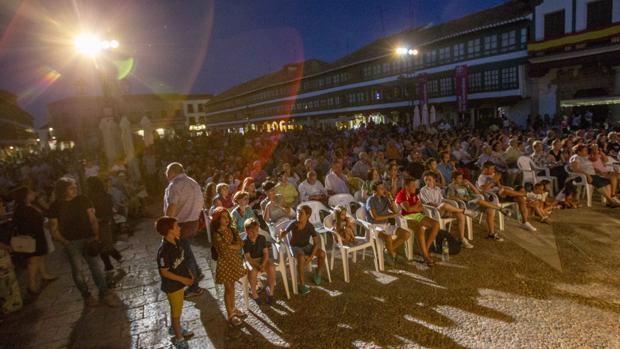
[(306, 190), (431, 196), (186, 194), (336, 184)]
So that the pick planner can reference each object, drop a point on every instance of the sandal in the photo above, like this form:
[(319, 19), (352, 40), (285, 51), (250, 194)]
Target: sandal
[(429, 262), (235, 321), (238, 313)]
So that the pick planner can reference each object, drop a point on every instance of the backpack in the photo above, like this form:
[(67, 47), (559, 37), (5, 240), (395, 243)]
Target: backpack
[(454, 244)]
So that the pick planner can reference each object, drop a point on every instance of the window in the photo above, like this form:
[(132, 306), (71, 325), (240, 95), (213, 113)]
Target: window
[(554, 24), (376, 69), (445, 86), (433, 56), (444, 54), (599, 14), (433, 87), (491, 79), (473, 48), (366, 74), (201, 107), (490, 45), (523, 36), (377, 95), (475, 82), (191, 120), (458, 51), (509, 78), (190, 108), (509, 40)]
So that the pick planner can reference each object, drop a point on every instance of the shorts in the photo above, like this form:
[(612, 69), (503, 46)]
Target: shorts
[(307, 250), (176, 302), (418, 217), (387, 229), (473, 204), (599, 182)]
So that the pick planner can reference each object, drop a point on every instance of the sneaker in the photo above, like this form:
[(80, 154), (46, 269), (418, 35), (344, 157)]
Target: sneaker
[(317, 279), (495, 237), (466, 243), (187, 334), (194, 293), (544, 219), (304, 289), (471, 213), (180, 343), (111, 300), (506, 212), (268, 297), (528, 226)]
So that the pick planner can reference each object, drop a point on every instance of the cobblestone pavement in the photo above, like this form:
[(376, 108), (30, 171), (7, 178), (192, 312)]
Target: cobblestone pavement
[(558, 288)]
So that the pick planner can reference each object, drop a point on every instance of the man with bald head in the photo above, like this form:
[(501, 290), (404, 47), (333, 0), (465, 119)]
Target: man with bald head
[(184, 201)]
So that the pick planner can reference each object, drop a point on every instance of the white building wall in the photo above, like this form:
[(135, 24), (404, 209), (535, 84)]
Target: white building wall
[(581, 17), (550, 6)]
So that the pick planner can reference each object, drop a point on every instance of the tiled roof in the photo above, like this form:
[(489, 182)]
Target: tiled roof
[(420, 36)]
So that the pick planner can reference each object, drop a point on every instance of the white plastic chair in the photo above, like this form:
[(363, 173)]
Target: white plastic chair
[(374, 230), (445, 223), (362, 243), (292, 261), (530, 171), (315, 218), (582, 183), (341, 199), (468, 221)]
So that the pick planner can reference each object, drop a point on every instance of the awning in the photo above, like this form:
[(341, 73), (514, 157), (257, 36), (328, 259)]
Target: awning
[(606, 100)]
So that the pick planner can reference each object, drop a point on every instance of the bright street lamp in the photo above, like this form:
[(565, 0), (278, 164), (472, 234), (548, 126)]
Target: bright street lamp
[(90, 44), (402, 51)]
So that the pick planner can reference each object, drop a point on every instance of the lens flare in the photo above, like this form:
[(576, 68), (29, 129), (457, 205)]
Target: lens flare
[(124, 68), (88, 44)]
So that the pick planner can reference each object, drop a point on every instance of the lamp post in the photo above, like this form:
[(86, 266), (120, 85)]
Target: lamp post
[(407, 52)]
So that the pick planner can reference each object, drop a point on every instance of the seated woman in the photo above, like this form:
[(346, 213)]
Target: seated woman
[(276, 211), (304, 251), (372, 176), (462, 189), (222, 198), (242, 211), (256, 251), (599, 161)]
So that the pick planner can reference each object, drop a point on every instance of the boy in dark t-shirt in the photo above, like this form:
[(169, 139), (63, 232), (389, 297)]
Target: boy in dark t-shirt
[(256, 251), (175, 275)]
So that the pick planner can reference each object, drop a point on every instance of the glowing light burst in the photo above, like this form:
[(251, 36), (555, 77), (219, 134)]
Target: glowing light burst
[(124, 68), (40, 86), (89, 44)]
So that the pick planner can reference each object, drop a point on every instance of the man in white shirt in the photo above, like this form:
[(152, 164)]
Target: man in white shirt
[(312, 189), (335, 181), (361, 167)]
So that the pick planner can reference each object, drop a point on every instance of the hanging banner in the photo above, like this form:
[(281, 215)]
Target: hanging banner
[(423, 89), (461, 88)]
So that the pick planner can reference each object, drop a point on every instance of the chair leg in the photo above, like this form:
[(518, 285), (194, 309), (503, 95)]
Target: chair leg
[(409, 246), (291, 266), (282, 269), (589, 195), (470, 228), (374, 254), (379, 245), (345, 263), (501, 221), (354, 256), (329, 275), (332, 257)]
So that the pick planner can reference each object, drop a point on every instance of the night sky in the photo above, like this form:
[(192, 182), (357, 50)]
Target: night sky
[(191, 46)]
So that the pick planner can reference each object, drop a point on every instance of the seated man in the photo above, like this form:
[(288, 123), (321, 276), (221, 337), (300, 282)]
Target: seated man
[(256, 251), (431, 195), (312, 189), (462, 189), (412, 210), (489, 182), (382, 211), (580, 163), (336, 181), (361, 167), (301, 231)]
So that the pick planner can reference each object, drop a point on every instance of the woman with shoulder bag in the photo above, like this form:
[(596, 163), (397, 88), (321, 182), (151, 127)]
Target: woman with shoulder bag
[(29, 221)]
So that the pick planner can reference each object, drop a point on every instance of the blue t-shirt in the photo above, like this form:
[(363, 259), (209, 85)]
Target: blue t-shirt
[(381, 205), (300, 237)]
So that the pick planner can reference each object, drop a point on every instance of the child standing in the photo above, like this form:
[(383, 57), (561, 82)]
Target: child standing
[(175, 275)]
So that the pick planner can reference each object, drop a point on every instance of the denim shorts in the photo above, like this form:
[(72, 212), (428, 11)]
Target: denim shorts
[(307, 250)]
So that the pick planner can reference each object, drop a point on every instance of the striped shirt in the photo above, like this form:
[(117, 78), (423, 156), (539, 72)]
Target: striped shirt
[(431, 196)]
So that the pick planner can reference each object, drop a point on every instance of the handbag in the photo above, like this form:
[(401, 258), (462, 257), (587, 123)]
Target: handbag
[(23, 244)]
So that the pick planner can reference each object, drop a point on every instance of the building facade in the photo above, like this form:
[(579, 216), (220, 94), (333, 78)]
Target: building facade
[(488, 48), (575, 57), (77, 118), (16, 127)]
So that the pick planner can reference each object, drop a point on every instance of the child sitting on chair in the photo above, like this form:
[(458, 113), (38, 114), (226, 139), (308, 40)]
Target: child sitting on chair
[(256, 251), (344, 225)]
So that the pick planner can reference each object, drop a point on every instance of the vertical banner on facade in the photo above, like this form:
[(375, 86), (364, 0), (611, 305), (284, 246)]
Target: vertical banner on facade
[(423, 89), (461, 88)]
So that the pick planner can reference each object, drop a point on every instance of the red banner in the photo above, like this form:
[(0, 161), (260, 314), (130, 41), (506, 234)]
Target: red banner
[(423, 89), (461, 88)]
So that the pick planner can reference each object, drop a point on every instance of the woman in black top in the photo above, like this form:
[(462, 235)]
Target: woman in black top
[(29, 221), (103, 203)]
